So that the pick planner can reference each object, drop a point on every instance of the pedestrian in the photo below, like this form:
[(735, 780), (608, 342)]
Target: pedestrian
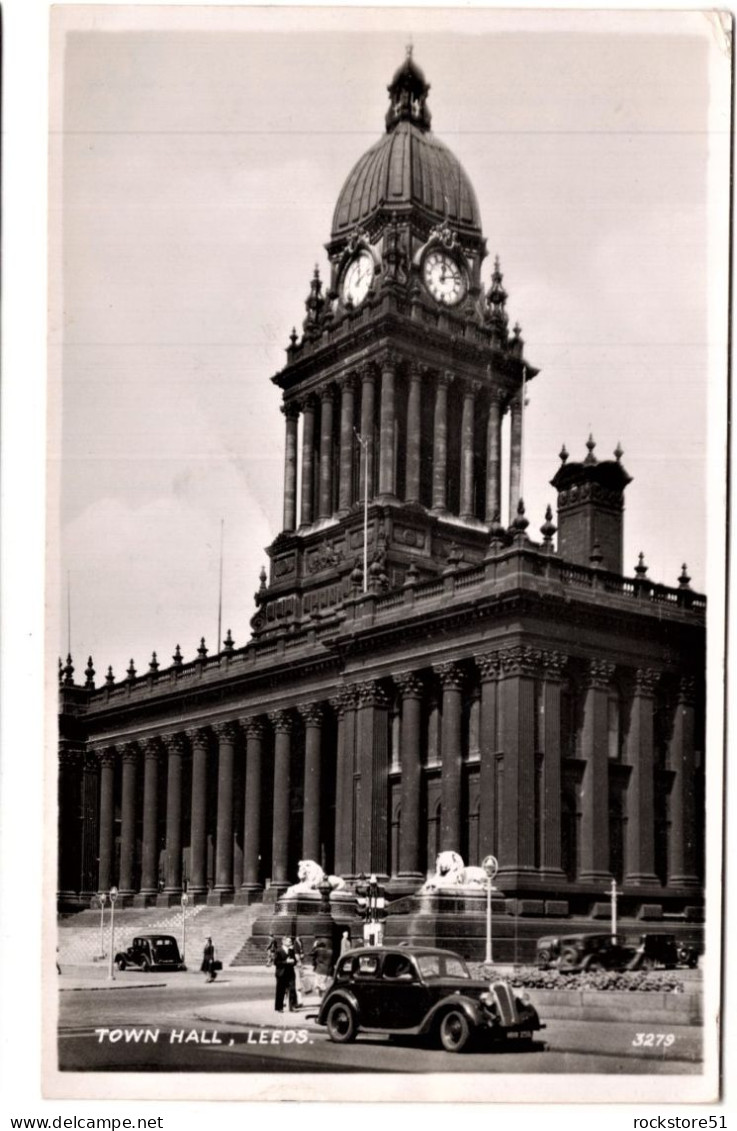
[(208, 961), (271, 948), (299, 987), (345, 942), (284, 963), (322, 960)]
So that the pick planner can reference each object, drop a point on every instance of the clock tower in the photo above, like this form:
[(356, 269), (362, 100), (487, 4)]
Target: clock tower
[(395, 390)]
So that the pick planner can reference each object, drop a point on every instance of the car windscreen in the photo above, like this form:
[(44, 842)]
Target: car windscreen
[(439, 966), (165, 948)]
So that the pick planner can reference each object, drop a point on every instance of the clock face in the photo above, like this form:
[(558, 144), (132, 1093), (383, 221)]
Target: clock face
[(444, 278), (358, 278)]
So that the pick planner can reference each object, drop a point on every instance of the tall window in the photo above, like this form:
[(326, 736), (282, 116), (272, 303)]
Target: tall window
[(614, 727)]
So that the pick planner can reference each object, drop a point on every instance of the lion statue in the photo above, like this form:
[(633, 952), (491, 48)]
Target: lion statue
[(450, 872), (309, 877)]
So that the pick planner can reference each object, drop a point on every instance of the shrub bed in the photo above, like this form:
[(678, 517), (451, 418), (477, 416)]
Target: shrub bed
[(661, 981)]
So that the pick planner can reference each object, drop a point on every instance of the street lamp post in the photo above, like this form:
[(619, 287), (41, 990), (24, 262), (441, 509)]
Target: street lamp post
[(184, 901), (613, 893), (111, 967), (491, 867), (102, 896)]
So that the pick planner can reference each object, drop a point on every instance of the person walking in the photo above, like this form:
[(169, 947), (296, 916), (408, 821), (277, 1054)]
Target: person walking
[(208, 961), (345, 942), (284, 963), (322, 960)]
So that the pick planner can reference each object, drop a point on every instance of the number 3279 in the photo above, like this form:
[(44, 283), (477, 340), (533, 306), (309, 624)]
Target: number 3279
[(653, 1040)]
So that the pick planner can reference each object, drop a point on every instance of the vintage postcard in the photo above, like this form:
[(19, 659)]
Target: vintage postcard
[(388, 385)]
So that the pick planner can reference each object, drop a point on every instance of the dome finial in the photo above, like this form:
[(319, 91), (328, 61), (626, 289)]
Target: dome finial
[(409, 48), (408, 95)]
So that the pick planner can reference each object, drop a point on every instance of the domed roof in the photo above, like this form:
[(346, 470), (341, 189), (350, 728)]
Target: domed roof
[(407, 166)]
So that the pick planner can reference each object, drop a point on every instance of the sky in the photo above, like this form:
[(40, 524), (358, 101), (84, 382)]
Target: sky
[(195, 161)]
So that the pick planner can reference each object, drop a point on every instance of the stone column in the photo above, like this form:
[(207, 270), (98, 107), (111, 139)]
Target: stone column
[(494, 460), (347, 440), (515, 457), (128, 825), (198, 737), (367, 432), (410, 688), (90, 831), (387, 471), (107, 817), (371, 801), (550, 833), (488, 665), (150, 848), (69, 876), (251, 885), (326, 453), (440, 444), (345, 708), (684, 827), (519, 666), (282, 724), (451, 680), (308, 460), (312, 714), (291, 412), (641, 787), (467, 428), (224, 890), (175, 748), (414, 426), (595, 785)]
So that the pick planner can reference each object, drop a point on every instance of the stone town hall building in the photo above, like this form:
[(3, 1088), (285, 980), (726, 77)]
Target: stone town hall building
[(464, 686)]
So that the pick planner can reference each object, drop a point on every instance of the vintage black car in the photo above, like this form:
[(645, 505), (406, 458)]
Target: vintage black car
[(421, 992), (151, 952), (605, 952)]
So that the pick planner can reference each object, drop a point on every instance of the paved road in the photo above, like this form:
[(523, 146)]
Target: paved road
[(181, 1028)]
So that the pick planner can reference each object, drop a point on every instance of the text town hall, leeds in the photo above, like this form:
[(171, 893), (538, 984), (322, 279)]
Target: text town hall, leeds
[(421, 676)]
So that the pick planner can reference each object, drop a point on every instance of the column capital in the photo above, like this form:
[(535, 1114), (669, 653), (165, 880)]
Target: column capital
[(366, 373), (254, 726), (554, 665), (470, 386), (451, 675), (489, 665), (174, 743), (646, 680), (104, 754), (306, 403), (347, 382), (599, 674), (388, 359), (409, 685), (348, 697), (327, 392), (415, 371), (70, 757), (687, 690), (371, 694), (129, 752), (198, 736), (290, 409), (443, 378), (281, 721), (496, 396), (311, 714), (226, 731), (520, 661), (151, 749)]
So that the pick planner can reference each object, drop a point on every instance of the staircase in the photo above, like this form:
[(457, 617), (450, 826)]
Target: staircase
[(229, 927)]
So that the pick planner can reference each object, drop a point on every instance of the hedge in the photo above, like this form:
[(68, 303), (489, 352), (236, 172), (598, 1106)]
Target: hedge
[(633, 980)]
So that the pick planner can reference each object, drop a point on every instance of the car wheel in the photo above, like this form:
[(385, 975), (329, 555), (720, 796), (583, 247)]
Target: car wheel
[(544, 957), (120, 963), (454, 1031), (568, 958), (341, 1023), (594, 966), (145, 966)]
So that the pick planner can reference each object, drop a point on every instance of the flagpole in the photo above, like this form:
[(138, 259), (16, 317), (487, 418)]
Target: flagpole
[(69, 612), (220, 591), (522, 436)]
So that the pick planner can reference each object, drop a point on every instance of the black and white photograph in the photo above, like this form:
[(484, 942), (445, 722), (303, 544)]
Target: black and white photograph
[(385, 581)]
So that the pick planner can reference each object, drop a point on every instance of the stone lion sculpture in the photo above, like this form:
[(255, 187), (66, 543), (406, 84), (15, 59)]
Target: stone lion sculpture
[(309, 877), (450, 872)]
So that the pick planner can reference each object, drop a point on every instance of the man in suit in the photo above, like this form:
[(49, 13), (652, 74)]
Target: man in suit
[(284, 964)]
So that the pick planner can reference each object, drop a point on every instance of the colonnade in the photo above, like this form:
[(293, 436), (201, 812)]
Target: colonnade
[(385, 403), (519, 762)]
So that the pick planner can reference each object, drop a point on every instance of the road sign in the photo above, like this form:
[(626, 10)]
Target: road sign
[(490, 864)]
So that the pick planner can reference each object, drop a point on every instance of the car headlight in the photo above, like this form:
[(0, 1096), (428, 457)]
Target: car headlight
[(488, 1001)]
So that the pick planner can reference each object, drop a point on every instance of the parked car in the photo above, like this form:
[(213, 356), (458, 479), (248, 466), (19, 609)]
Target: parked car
[(423, 992), (150, 952), (604, 952)]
